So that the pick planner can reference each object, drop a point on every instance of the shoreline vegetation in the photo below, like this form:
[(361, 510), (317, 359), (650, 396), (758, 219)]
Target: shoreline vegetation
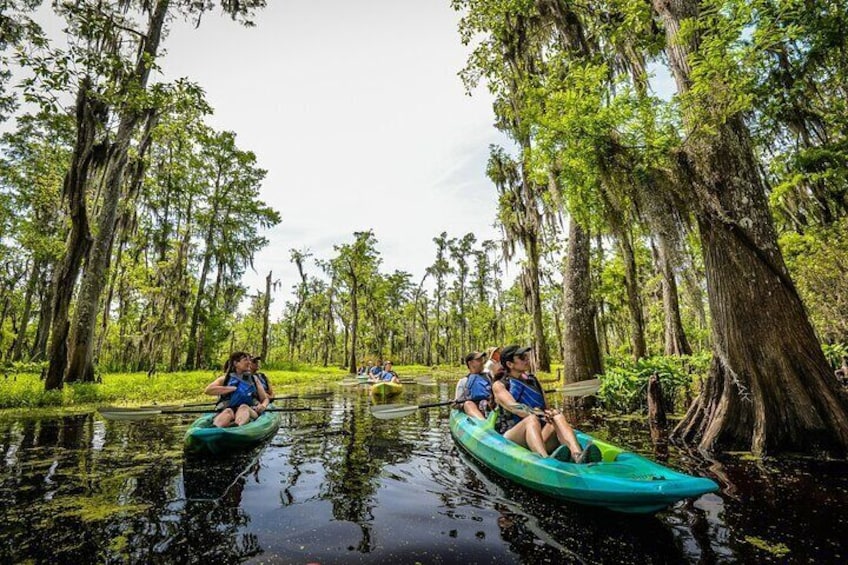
[(623, 391)]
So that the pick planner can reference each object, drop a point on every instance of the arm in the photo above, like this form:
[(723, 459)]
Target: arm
[(217, 388), (264, 400), (506, 400)]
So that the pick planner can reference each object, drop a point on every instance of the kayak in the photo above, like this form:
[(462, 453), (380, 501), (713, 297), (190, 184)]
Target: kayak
[(203, 436), (384, 389), (622, 481)]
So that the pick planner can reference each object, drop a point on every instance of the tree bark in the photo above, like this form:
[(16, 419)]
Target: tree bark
[(582, 357), (770, 387)]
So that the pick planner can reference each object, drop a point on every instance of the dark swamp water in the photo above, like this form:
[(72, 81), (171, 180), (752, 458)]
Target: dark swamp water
[(338, 486)]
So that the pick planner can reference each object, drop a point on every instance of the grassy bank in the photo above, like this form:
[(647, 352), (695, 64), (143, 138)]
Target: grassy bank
[(26, 390)]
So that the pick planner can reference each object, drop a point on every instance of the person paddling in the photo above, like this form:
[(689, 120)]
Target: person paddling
[(388, 374), (241, 399), (474, 391), (538, 433)]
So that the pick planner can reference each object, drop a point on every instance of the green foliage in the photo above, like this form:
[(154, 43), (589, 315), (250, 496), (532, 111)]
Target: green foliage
[(817, 260), (835, 353), (624, 383)]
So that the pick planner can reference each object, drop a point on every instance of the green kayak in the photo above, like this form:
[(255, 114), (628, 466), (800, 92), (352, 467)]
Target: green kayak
[(623, 481), (384, 389), (203, 436)]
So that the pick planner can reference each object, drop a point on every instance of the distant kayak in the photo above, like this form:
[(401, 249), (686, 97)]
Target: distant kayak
[(384, 389), (203, 436), (623, 481)]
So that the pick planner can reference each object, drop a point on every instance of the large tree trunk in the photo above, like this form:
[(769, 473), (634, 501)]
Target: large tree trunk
[(582, 356), (94, 278), (88, 301), (770, 388), (88, 114)]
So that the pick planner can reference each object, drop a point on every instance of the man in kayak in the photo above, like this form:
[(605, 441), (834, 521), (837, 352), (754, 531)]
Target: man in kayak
[(474, 391), (242, 400), (540, 430), (388, 374), (261, 377)]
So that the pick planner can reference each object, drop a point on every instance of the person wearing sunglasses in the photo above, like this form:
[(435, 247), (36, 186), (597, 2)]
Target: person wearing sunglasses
[(517, 394)]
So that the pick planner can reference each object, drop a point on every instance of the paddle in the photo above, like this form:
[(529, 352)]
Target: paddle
[(392, 411), (581, 388), (307, 396), (122, 413)]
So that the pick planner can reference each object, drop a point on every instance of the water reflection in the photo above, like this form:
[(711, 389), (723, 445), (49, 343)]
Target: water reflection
[(339, 486)]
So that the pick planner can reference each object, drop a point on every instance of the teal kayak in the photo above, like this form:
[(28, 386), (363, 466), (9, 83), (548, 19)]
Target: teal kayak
[(623, 481), (203, 436)]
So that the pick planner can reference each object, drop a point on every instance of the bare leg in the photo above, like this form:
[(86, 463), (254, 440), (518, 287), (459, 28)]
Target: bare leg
[(224, 419), (528, 433), (244, 414), (470, 408), (563, 433)]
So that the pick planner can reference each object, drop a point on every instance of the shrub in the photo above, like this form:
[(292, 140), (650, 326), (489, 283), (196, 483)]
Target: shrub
[(624, 385)]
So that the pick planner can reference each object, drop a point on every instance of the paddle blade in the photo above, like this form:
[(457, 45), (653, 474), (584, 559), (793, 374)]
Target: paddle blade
[(127, 414), (582, 388), (392, 411)]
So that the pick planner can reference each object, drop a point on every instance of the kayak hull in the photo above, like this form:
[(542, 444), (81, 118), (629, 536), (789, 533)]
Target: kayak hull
[(623, 481), (386, 389), (202, 436)]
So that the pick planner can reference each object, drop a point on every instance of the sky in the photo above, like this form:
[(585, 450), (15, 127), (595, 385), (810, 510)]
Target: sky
[(358, 114)]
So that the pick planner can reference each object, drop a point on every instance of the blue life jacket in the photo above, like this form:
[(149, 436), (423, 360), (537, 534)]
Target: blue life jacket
[(525, 391), (387, 375), (245, 392), (478, 387), (375, 370)]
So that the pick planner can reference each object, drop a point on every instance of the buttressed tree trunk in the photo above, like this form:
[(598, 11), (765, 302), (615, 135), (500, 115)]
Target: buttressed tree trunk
[(582, 356), (770, 387)]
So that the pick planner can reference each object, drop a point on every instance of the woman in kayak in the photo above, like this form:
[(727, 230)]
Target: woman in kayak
[(388, 374), (242, 400), (517, 393)]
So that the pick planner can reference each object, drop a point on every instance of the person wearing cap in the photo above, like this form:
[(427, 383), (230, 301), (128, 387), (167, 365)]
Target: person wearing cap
[(474, 391), (517, 394), (261, 377), (388, 374)]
